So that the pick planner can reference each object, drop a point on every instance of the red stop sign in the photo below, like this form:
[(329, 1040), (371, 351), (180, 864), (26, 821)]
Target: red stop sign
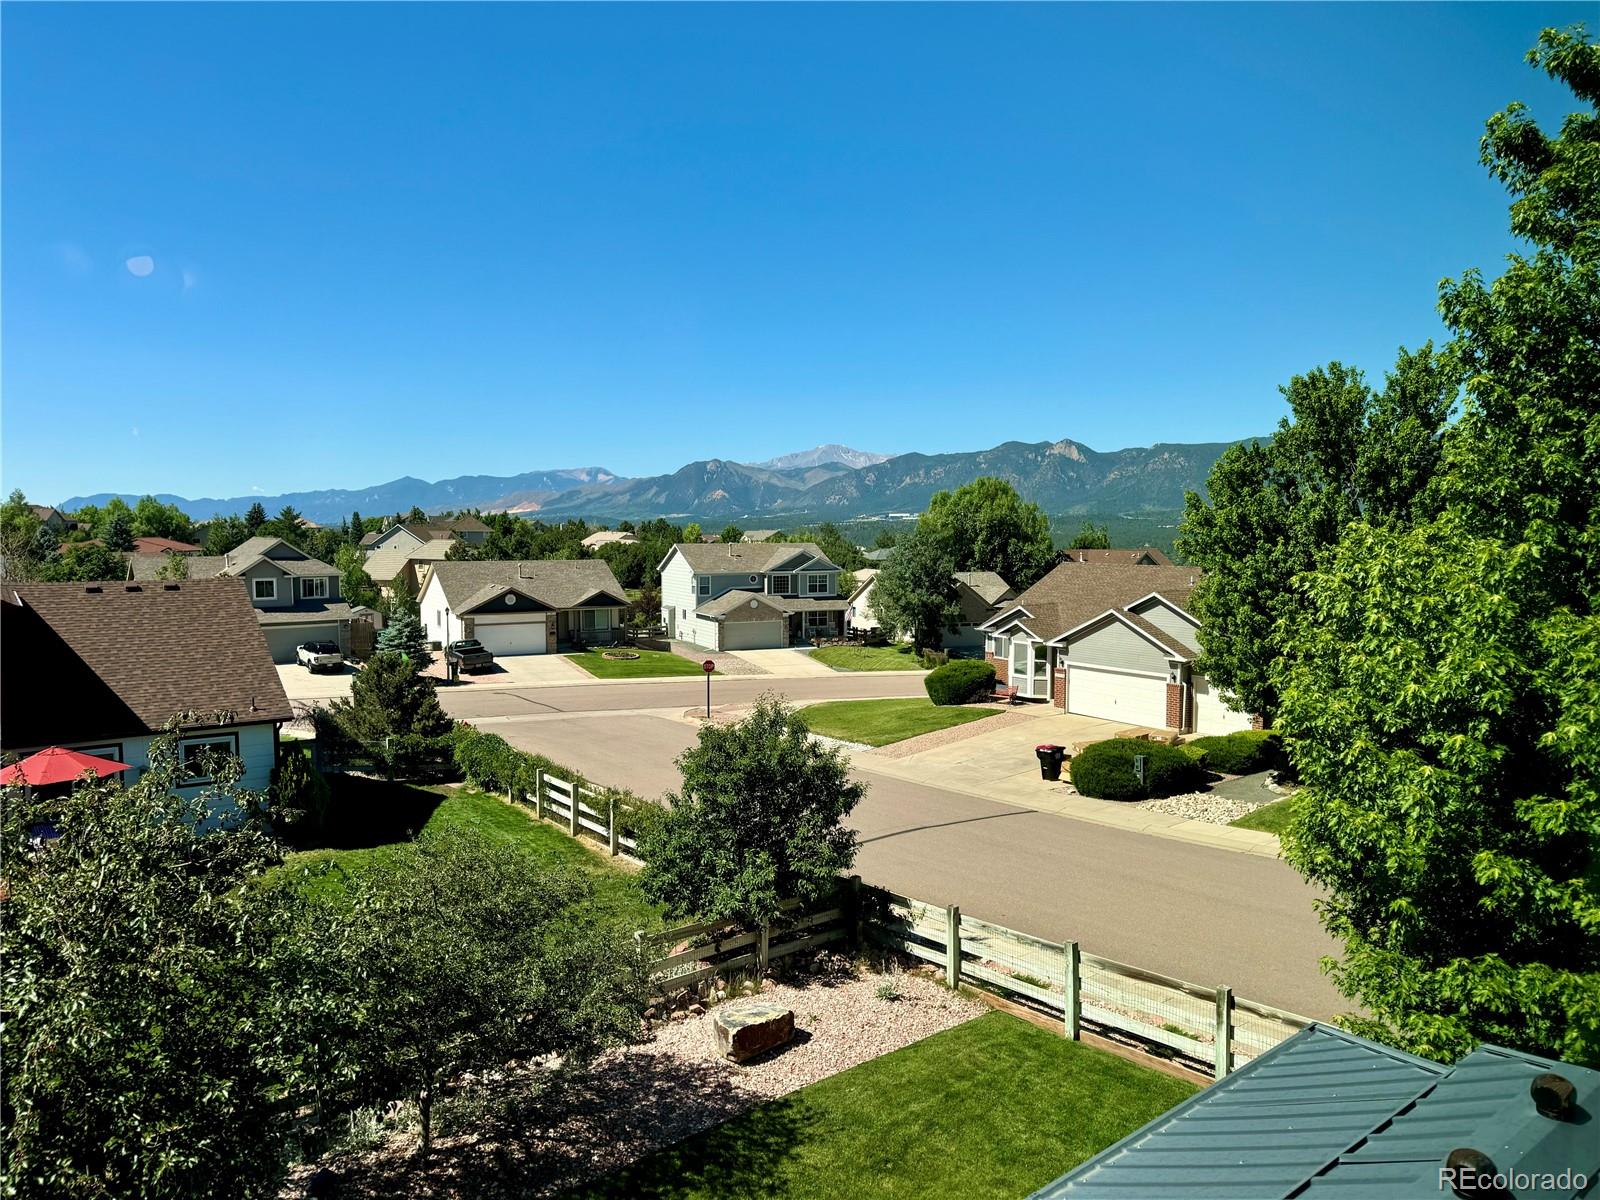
[(708, 666)]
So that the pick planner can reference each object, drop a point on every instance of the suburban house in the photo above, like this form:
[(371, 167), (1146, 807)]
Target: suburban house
[(51, 518), (103, 667), (159, 545), (750, 595), (858, 615), (416, 533), (978, 593), (1110, 640), (403, 560), (608, 537), (536, 607), (1327, 1113), (758, 535), (879, 556), (296, 597), (1140, 556)]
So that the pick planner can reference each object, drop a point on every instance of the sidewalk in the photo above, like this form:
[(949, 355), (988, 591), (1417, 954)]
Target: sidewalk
[(784, 664), (1001, 766)]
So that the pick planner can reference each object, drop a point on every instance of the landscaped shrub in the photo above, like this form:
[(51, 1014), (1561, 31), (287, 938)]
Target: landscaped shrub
[(960, 681), (300, 792), (933, 659), (1240, 753), (1197, 752), (1104, 770)]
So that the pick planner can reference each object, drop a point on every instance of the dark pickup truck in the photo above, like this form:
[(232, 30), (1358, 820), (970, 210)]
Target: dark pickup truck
[(469, 655)]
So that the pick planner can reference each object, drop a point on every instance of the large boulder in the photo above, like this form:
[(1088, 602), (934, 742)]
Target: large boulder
[(748, 1028)]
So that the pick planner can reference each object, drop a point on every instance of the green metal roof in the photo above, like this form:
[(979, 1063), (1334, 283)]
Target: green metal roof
[(1330, 1114)]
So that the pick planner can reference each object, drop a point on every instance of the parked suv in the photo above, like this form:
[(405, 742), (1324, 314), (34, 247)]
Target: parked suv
[(469, 655), (319, 656)]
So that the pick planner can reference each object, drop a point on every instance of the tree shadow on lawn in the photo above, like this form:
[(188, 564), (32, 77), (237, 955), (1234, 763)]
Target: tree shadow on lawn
[(365, 812)]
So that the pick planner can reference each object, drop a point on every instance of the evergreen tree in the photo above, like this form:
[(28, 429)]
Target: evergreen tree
[(254, 518)]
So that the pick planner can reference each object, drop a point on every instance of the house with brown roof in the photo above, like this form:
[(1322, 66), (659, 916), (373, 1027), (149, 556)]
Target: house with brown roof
[(979, 595), (51, 518), (750, 595), (103, 667), (1111, 639), (523, 607), (1139, 556), (161, 545), (416, 533), (403, 560)]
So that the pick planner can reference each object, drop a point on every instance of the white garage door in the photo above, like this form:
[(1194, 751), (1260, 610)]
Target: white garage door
[(752, 635), (1117, 696), (1211, 715), (514, 637)]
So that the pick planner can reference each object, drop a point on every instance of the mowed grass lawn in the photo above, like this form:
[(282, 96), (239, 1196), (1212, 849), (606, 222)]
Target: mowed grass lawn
[(993, 1108), (377, 818), (1270, 818), (879, 722), (868, 658), (650, 663)]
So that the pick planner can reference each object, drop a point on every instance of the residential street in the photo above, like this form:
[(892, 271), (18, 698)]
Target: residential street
[(1208, 915)]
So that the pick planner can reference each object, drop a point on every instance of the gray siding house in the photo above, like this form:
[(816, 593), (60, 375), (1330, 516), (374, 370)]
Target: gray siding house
[(531, 607), (750, 595)]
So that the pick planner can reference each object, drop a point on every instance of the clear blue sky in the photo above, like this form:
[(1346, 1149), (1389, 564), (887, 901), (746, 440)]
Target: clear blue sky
[(437, 240)]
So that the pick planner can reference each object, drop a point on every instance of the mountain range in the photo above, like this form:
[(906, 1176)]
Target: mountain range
[(827, 483)]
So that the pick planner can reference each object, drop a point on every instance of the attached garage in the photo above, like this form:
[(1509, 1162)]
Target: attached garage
[(511, 637), (284, 640), (1117, 696), (1211, 715), (751, 635)]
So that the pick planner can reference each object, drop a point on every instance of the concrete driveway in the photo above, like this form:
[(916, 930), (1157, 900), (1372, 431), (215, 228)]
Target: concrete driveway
[(518, 671), (789, 663), (301, 684)]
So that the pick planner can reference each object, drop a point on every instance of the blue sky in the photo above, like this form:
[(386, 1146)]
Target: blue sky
[(284, 247)]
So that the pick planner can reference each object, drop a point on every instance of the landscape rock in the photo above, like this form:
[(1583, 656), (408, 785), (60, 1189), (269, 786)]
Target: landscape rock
[(747, 1029)]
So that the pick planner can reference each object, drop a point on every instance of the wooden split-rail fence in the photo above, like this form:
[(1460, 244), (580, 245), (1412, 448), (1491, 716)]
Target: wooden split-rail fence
[(584, 810)]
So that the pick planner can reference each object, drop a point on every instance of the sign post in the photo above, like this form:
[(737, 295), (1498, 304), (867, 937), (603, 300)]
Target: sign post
[(708, 666)]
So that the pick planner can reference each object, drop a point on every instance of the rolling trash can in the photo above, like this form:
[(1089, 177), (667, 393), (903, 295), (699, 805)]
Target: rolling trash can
[(1050, 758)]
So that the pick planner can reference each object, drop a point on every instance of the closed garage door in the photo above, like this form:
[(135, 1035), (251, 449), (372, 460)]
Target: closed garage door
[(514, 637), (752, 635), (1117, 696), (284, 640), (1211, 715)]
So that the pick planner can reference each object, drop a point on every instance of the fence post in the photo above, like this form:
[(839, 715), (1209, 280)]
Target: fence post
[(852, 887), (1224, 1047), (574, 792), (538, 792), (763, 943), (1074, 1004), (611, 823), (952, 946)]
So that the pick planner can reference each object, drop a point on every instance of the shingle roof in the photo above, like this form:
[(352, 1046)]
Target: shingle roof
[(1124, 556), (368, 538), (1327, 1113), (198, 566), (121, 659), (607, 537), (277, 551), (303, 612), (159, 545), (383, 565), (755, 557), (558, 583), (758, 535), (986, 583), (728, 602), (1074, 592)]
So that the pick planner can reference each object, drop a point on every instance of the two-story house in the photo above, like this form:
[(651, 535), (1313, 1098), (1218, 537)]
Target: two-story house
[(413, 534), (750, 595), (296, 597)]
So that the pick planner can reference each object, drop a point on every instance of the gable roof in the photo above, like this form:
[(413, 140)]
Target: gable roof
[(986, 583), (1327, 1113), (384, 564), (864, 578), (368, 538), (556, 583), (276, 551), (607, 537), (1073, 593), (113, 660), (160, 545), (1144, 556), (734, 558)]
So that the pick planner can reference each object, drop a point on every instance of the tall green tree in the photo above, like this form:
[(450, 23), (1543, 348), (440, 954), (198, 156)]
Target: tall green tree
[(117, 533), (1274, 509), (404, 635), (152, 518), (254, 518), (21, 553), (392, 716), (358, 527), (759, 820), (914, 592), (731, 533), (1090, 537), (355, 585), (986, 526), (1438, 681)]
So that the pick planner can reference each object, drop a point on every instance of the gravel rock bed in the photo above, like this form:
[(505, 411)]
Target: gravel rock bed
[(1199, 806), (635, 1100)]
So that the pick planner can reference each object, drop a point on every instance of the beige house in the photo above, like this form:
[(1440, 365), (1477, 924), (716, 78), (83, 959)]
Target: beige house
[(528, 607), (608, 537)]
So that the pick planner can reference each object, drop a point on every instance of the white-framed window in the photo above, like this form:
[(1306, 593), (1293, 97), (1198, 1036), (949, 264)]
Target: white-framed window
[(264, 589), (594, 618), (782, 585), (817, 585), (193, 753), (999, 646), (703, 584), (314, 587)]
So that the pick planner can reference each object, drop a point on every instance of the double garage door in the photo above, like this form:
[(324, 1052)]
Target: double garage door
[(510, 637), (1117, 696), (751, 635), (1211, 715), (284, 640)]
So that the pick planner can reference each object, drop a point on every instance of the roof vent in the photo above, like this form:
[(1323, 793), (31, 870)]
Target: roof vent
[(1471, 1172), (132, 587), (1554, 1097), (169, 587), (94, 589)]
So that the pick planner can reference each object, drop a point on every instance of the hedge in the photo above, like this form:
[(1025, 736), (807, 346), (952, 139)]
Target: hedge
[(490, 762), (959, 681), (1104, 770), (1240, 753)]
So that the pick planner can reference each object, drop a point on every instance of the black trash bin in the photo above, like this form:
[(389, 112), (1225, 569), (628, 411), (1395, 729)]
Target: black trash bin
[(1050, 758)]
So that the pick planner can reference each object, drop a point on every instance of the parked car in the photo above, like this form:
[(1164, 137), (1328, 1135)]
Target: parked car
[(319, 656), (469, 655)]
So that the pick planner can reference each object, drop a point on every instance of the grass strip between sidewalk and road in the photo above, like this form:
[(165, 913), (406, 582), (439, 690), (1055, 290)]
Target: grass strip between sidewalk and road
[(994, 1107), (649, 664), (1270, 818), (868, 658), (880, 722)]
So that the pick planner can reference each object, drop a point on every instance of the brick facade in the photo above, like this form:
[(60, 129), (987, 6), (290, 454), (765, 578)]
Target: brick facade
[(1058, 688), (1175, 706), (1002, 668)]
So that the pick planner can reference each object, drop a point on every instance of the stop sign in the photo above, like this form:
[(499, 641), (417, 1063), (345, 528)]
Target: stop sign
[(708, 666)]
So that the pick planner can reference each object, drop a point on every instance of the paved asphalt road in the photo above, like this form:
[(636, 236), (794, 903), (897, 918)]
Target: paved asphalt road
[(1209, 916)]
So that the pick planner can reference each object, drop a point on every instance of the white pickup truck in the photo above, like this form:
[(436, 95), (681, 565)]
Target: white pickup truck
[(319, 656)]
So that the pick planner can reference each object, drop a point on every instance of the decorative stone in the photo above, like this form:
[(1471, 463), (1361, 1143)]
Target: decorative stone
[(746, 1029)]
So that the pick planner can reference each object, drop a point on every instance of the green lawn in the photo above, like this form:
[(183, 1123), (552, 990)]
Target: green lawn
[(649, 663), (879, 722), (868, 658), (376, 818), (1270, 818), (996, 1107)]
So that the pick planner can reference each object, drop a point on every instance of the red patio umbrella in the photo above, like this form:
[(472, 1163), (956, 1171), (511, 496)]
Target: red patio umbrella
[(57, 765)]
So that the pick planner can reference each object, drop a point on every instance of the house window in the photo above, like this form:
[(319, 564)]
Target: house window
[(1000, 647), (594, 618), (782, 585), (314, 587), (819, 620), (817, 585), (264, 589), (196, 755), (703, 583)]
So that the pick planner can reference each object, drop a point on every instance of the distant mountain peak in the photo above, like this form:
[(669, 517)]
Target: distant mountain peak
[(822, 456)]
